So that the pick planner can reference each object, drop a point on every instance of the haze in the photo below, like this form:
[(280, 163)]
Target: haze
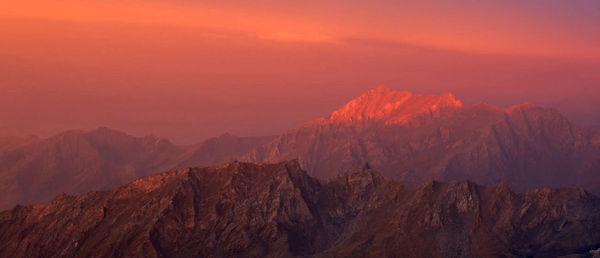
[(187, 70)]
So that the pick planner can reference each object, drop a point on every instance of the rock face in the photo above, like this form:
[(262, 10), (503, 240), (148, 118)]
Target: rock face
[(34, 170), (277, 210), (416, 139)]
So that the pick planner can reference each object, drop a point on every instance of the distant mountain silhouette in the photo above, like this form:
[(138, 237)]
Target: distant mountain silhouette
[(33, 170), (277, 210), (78, 161)]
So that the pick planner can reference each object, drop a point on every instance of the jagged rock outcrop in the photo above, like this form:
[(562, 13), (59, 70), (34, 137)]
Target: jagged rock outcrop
[(277, 210)]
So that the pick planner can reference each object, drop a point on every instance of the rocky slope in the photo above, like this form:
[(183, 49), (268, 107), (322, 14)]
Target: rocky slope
[(416, 138), (34, 170), (277, 210)]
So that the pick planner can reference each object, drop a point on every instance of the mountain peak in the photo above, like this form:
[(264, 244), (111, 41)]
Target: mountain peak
[(382, 90), (525, 105), (391, 106)]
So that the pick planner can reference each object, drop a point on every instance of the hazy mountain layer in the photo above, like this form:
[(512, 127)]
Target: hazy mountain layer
[(33, 170)]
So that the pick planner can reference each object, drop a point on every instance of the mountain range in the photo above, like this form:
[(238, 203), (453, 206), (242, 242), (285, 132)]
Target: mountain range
[(417, 138), (278, 210), (35, 170), (407, 137)]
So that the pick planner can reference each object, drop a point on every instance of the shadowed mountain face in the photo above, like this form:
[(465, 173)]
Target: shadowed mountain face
[(33, 170), (416, 138), (277, 210)]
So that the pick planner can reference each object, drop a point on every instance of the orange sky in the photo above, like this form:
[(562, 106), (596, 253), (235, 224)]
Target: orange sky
[(190, 69), (547, 28)]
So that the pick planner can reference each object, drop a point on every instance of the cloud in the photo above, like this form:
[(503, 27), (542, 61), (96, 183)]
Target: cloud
[(288, 36)]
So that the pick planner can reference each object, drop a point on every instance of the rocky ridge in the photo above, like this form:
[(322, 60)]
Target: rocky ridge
[(277, 210)]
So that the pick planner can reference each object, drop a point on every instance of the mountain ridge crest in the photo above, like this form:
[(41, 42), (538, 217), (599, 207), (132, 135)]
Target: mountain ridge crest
[(392, 107)]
